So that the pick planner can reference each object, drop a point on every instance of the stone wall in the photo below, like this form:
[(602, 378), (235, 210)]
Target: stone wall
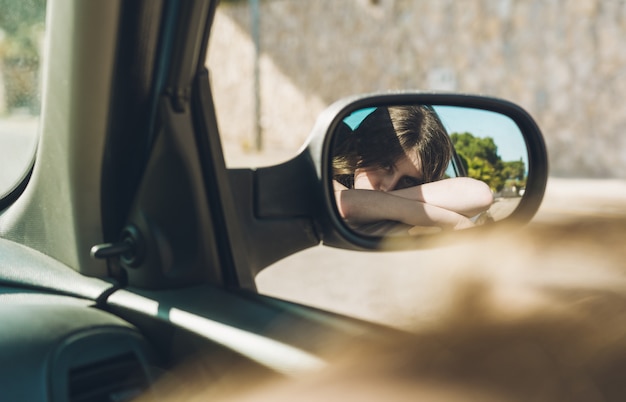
[(562, 60)]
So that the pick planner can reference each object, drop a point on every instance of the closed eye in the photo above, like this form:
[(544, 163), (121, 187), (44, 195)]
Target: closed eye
[(408, 181), (388, 167)]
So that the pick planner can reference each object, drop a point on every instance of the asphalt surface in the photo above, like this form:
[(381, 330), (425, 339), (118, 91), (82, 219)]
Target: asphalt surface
[(399, 288), (406, 289)]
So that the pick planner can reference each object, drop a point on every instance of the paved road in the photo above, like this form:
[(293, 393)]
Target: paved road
[(373, 286), (408, 288)]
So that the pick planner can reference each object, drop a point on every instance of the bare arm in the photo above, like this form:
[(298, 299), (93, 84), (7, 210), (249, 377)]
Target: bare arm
[(361, 206), (462, 195)]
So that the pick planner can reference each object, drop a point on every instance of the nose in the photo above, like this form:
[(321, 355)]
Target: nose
[(389, 182)]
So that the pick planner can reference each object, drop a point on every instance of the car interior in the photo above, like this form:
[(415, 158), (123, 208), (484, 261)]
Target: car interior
[(129, 251)]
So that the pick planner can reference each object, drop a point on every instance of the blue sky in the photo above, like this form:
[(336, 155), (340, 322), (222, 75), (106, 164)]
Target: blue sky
[(482, 123)]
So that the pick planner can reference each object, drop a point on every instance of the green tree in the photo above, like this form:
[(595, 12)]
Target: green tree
[(484, 148), (515, 173), (19, 15), (515, 170), (21, 28), (481, 160)]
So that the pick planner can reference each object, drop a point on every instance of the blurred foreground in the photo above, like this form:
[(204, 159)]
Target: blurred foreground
[(530, 314), (404, 289)]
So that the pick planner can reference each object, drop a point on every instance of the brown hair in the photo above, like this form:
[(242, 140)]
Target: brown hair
[(386, 135)]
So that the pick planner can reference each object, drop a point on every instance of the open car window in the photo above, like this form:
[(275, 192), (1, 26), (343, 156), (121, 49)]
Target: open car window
[(273, 71), (22, 28)]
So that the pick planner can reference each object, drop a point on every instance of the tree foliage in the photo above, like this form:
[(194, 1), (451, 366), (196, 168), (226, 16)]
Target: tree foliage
[(19, 13), (481, 160), (21, 33)]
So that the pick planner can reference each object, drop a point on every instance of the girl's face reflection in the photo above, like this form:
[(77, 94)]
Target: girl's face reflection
[(405, 172)]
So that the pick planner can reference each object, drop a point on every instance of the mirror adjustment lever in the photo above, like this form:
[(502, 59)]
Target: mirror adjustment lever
[(129, 249), (109, 250)]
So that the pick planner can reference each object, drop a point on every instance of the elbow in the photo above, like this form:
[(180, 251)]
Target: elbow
[(342, 206), (486, 196), (346, 206), (481, 196)]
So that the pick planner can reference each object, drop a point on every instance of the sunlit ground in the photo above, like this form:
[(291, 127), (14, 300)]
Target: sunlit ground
[(405, 289), (400, 289)]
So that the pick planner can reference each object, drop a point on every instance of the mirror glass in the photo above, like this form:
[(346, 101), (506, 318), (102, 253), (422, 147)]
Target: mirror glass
[(416, 169)]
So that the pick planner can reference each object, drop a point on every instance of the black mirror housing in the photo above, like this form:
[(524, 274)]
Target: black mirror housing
[(338, 232), (292, 206)]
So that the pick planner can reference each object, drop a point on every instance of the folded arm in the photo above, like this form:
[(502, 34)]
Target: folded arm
[(362, 206), (463, 195)]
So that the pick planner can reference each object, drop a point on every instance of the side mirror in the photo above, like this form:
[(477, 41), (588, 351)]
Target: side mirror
[(398, 167), (390, 172)]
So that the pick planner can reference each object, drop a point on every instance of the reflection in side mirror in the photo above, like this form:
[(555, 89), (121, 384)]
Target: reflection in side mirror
[(409, 169)]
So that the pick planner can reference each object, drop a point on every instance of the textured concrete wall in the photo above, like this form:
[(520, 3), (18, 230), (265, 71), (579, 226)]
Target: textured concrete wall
[(562, 60)]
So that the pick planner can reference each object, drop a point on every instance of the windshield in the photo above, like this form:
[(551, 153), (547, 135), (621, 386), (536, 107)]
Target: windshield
[(21, 43)]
